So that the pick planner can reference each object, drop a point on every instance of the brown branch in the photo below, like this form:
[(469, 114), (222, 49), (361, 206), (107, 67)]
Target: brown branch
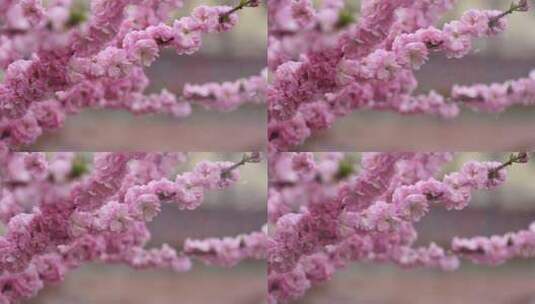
[(520, 6), (519, 158), (253, 157), (224, 17)]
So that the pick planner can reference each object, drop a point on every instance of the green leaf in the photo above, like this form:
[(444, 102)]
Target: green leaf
[(77, 16), (345, 169), (345, 18), (79, 168)]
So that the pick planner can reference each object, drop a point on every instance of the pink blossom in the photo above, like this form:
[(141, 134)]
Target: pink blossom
[(144, 51), (207, 17), (302, 12), (112, 62), (101, 215), (320, 225), (314, 61), (25, 130)]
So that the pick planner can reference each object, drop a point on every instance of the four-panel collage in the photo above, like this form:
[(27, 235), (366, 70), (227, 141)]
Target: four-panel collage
[(267, 151)]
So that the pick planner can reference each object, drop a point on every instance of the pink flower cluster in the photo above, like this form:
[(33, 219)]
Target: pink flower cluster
[(228, 95), (497, 249), (61, 212), (497, 97), (324, 212), (60, 57), (326, 64), (228, 251)]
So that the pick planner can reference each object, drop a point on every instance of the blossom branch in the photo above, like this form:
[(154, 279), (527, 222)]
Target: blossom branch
[(520, 6), (79, 221), (253, 157), (318, 228), (224, 17), (372, 64), (519, 158)]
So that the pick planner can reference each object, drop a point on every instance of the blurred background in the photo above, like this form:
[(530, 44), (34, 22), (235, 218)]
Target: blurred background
[(223, 57), (509, 208), (508, 56), (236, 210)]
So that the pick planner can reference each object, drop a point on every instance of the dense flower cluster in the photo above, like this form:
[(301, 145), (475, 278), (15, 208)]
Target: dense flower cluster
[(59, 57), (60, 212), (326, 64), (324, 213)]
